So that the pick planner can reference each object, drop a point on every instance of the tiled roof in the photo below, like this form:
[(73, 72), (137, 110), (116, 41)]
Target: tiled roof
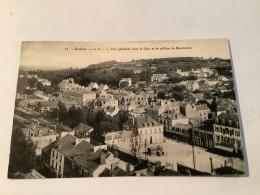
[(146, 121), (82, 128), (202, 107), (228, 116)]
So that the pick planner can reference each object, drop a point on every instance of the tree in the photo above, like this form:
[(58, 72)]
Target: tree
[(40, 86), (22, 156), (74, 116), (62, 112), (178, 96), (161, 95), (32, 82), (124, 84)]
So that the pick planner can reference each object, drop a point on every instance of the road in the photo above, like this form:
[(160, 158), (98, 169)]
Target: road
[(178, 152)]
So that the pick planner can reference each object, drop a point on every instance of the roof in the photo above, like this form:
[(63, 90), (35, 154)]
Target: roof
[(82, 128), (68, 141), (201, 107), (173, 116), (227, 171), (228, 116), (49, 103), (206, 125), (146, 121), (182, 126), (169, 172), (36, 129), (197, 95), (119, 135)]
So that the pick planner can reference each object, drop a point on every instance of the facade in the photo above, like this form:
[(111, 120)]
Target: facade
[(158, 78), (227, 132), (122, 140), (69, 84), (82, 97), (74, 157), (149, 130), (42, 136), (192, 85), (189, 111), (203, 134), (46, 106), (171, 118), (203, 111), (156, 109)]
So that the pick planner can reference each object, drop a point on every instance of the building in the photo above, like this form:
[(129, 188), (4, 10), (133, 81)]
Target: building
[(69, 84), (108, 103), (42, 136), (128, 80), (73, 157), (227, 133), (171, 118), (181, 132), (82, 97), (156, 109), (192, 85), (189, 111), (46, 106), (123, 140), (149, 92), (83, 130), (195, 97), (203, 134), (203, 111), (158, 78), (149, 130)]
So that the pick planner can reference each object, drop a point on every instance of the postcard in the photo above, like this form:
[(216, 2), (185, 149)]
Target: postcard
[(114, 109)]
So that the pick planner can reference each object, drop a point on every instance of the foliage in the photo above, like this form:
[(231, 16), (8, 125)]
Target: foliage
[(161, 95), (178, 96), (22, 156)]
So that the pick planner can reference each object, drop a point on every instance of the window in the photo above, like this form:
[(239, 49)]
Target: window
[(40, 133)]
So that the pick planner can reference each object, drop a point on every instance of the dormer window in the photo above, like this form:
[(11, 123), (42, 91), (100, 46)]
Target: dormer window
[(31, 134), (229, 123), (237, 124), (51, 132), (223, 121)]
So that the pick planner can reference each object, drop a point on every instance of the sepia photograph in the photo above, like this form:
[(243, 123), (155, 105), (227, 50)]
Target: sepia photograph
[(125, 109)]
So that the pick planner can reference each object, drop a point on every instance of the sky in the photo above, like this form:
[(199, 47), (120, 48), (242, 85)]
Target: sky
[(61, 55)]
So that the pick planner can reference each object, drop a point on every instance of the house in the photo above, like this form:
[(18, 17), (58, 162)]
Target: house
[(42, 136), (149, 92), (156, 109), (108, 103), (133, 99), (227, 133), (189, 111), (122, 140), (192, 85), (171, 118), (137, 111), (128, 80), (225, 105), (203, 111), (158, 78), (183, 73), (83, 130), (73, 157), (203, 134), (93, 85), (82, 97), (195, 97), (180, 132), (46, 106), (69, 84), (149, 130), (210, 82)]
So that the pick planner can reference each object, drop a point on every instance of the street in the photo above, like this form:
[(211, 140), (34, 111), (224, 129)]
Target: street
[(178, 152)]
